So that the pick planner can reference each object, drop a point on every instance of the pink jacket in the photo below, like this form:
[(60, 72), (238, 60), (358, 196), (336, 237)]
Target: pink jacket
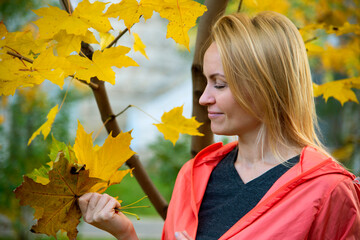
[(315, 199)]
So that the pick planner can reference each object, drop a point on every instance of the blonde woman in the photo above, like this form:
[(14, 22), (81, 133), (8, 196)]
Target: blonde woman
[(276, 181)]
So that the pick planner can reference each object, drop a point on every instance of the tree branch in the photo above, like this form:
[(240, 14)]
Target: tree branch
[(215, 10), (66, 5), (21, 57), (103, 103), (117, 38), (240, 5)]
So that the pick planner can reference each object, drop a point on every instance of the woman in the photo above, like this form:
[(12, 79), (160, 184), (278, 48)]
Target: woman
[(276, 181)]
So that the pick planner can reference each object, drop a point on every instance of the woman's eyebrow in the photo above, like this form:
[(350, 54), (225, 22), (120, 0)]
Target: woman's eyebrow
[(214, 75)]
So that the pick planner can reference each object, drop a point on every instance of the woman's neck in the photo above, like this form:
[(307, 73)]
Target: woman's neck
[(251, 151)]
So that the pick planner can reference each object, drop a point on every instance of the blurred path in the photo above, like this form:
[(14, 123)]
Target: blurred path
[(146, 228)]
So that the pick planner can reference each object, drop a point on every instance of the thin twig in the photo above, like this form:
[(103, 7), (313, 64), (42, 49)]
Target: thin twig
[(21, 57), (310, 40), (123, 110), (129, 106), (67, 90), (108, 119), (239, 7), (117, 38)]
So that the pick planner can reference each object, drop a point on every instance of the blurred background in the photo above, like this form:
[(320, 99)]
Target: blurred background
[(158, 85)]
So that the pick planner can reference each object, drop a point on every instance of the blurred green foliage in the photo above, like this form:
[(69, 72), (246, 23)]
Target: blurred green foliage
[(24, 113), (15, 13)]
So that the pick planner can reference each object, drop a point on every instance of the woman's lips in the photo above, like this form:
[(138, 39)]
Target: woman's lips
[(212, 115)]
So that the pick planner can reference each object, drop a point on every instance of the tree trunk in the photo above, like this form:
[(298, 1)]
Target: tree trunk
[(216, 8)]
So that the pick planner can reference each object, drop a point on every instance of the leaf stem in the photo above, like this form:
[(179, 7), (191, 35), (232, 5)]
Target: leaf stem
[(146, 113), (135, 207), (135, 202), (129, 206), (103, 125), (115, 116), (133, 214), (67, 90)]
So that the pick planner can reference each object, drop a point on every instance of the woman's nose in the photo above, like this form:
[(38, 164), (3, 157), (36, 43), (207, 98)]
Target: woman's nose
[(206, 98)]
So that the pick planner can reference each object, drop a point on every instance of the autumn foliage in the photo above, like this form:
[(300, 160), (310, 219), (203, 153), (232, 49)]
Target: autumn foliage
[(55, 54)]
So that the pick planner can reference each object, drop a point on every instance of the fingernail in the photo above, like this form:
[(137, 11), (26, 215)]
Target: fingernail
[(177, 234)]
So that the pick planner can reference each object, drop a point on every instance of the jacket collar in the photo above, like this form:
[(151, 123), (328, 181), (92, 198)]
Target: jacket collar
[(312, 164), (216, 151)]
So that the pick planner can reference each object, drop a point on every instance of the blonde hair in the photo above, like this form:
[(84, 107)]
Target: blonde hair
[(266, 66)]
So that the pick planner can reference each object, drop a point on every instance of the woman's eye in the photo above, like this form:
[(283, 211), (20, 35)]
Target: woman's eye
[(218, 86)]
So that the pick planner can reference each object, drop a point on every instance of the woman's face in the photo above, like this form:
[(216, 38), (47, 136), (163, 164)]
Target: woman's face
[(226, 115)]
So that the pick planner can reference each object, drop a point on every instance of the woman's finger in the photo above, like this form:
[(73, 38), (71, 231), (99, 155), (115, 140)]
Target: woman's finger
[(112, 204), (84, 202), (102, 201), (93, 201)]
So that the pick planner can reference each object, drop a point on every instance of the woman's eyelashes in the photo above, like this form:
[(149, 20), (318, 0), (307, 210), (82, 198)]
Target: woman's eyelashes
[(218, 84)]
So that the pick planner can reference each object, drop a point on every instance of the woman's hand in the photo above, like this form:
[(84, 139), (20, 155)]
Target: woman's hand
[(99, 211), (182, 236)]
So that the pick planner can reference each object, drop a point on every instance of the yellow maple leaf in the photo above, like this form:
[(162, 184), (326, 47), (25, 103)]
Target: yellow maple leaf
[(85, 15), (105, 39), (173, 123), (333, 58), (68, 43), (102, 63), (3, 33), (11, 78), (340, 90), (279, 6), (308, 31), (313, 49), (55, 203), (344, 29), (131, 10), (22, 43), (344, 153), (139, 45), (46, 127), (50, 67), (103, 162), (182, 15), (128, 10), (18, 73)]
